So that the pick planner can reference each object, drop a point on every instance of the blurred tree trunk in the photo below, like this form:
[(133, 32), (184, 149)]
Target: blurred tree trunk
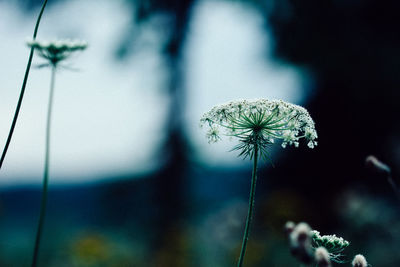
[(170, 182)]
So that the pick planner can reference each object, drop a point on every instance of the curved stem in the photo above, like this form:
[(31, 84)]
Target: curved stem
[(21, 96), (251, 207), (46, 172)]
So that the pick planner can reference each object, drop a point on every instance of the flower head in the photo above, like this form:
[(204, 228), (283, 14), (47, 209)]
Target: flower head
[(331, 242), (334, 244), (56, 51), (300, 236), (257, 123), (359, 261), (289, 227), (300, 242), (322, 257)]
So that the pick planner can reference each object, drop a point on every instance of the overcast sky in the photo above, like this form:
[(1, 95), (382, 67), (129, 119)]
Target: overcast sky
[(108, 116)]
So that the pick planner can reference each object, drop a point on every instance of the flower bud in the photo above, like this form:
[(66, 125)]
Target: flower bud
[(322, 257), (289, 227), (359, 261), (300, 243)]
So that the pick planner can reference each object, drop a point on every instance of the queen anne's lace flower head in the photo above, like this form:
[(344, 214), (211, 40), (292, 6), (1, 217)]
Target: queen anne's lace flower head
[(334, 244), (259, 122), (56, 51), (331, 242)]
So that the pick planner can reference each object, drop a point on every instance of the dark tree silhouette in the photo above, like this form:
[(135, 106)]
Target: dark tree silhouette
[(170, 179)]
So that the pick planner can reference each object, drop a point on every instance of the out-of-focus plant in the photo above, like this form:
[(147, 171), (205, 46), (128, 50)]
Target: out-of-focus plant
[(359, 261), (257, 124), (21, 95), (90, 250), (374, 164), (300, 241), (309, 247), (322, 257), (54, 53)]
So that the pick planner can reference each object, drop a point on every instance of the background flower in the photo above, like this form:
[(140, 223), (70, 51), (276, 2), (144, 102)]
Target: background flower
[(56, 51)]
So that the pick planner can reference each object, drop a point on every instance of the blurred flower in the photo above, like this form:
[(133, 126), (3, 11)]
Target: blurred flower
[(359, 261), (259, 122), (289, 227), (308, 245), (300, 243), (56, 51), (322, 257)]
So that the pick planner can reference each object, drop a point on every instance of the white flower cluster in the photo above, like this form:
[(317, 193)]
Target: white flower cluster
[(58, 50), (274, 119), (331, 242)]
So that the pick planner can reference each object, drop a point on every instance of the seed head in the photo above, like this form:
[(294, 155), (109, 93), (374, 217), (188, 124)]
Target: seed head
[(56, 51), (359, 261), (257, 123)]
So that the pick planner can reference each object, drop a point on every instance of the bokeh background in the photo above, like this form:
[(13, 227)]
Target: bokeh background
[(133, 181)]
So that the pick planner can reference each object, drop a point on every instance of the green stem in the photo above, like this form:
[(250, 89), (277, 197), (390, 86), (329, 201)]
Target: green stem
[(46, 171), (21, 96), (251, 207)]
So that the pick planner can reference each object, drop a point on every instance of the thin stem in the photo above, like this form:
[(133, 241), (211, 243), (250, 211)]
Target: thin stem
[(46, 171), (251, 206), (393, 185), (21, 96)]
